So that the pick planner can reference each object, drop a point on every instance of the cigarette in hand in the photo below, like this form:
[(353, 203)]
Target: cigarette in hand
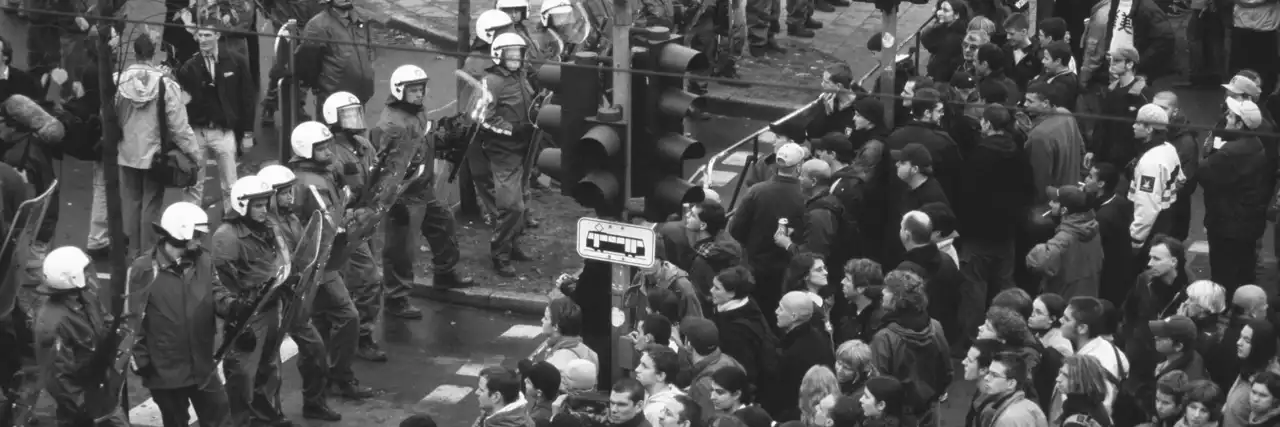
[(1046, 213)]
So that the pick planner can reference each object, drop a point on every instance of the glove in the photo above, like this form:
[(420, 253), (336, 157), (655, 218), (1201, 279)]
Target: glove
[(246, 342), (239, 307), (146, 370)]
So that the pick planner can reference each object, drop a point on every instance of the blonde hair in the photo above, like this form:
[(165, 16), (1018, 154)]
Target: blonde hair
[(818, 383), (1207, 294), (856, 355), (981, 23), (1085, 376)]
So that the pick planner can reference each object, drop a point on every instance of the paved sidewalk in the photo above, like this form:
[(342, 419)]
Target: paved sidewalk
[(844, 37)]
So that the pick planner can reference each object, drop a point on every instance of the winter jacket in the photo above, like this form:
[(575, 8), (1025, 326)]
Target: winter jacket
[(1267, 419), (1113, 141), (860, 325), (671, 278), (942, 283), (830, 116), (747, 337), (862, 189), (560, 352), (1079, 406), (353, 158), (947, 159), (507, 113), (1066, 85), (1055, 150), (177, 338), (756, 217), (512, 415), (701, 386), (912, 348), (1158, 175), (1070, 263), (1153, 38), (1025, 70), (1189, 362), (1235, 180), (711, 256), (1114, 217), (996, 189), (1012, 410), (822, 222), (945, 50), (1093, 60), (1010, 86), (247, 257), (345, 62), (800, 348), (136, 91), (1150, 299)]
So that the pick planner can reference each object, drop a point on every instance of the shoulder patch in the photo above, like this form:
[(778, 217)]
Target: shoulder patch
[(1147, 183)]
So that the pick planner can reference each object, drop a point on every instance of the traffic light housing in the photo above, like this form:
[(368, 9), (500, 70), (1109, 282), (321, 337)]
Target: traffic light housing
[(659, 143), (589, 162)]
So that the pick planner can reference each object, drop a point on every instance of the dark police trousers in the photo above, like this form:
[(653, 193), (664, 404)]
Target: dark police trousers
[(436, 225), (326, 335), (255, 399), (210, 403)]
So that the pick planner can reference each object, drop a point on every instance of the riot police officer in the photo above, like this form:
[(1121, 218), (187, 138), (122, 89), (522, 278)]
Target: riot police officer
[(405, 119), (565, 29), (354, 156), (249, 253), (506, 133), (67, 329)]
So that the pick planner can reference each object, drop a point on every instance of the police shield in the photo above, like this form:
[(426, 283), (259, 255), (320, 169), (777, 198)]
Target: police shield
[(310, 258), (19, 236)]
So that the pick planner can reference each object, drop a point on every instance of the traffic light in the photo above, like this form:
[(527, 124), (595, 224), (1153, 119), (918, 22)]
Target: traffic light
[(659, 144), (589, 160)]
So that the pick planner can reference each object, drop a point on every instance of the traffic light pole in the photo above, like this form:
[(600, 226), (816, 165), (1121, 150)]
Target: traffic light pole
[(622, 99), (889, 64)]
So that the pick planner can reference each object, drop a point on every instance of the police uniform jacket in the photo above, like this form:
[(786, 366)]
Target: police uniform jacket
[(1157, 177), (353, 159), (246, 256), (178, 304), (509, 110), (67, 329), (398, 122), (328, 184)]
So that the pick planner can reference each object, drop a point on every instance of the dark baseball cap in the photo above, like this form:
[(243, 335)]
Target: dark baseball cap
[(914, 153), (963, 80), (1180, 328), (835, 142), (1069, 196)]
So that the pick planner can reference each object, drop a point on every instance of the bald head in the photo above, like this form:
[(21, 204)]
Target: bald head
[(1166, 99), (815, 169), (798, 303), (1251, 298)]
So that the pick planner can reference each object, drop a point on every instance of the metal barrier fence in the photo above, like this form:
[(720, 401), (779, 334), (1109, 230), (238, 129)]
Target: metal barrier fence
[(702, 176)]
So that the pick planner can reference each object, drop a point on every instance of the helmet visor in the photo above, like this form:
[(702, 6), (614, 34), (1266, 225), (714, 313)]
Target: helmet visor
[(351, 117)]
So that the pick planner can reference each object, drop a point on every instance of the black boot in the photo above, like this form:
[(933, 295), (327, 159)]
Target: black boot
[(402, 308), (518, 255), (801, 32), (451, 279), (320, 411), (353, 390), (369, 350), (502, 266)]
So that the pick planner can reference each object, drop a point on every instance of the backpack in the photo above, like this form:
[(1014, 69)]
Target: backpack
[(1125, 409)]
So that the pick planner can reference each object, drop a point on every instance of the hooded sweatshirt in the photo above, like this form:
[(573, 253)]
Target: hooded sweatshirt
[(911, 348), (138, 89), (1070, 263)]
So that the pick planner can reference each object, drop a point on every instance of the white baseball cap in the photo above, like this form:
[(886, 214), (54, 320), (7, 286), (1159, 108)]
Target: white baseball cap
[(790, 155)]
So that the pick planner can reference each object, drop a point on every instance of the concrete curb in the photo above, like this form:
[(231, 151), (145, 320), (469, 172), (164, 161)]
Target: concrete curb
[(748, 108), (526, 303)]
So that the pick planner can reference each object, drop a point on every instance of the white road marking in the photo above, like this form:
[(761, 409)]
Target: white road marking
[(522, 332), (148, 414), (737, 158), (719, 178), (1199, 246), (470, 370), (448, 394)]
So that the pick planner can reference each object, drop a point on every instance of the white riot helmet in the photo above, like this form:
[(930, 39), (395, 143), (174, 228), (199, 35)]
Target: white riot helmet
[(521, 6), (555, 7), (246, 189), (489, 22), (405, 76), (64, 269), (306, 136), (344, 110), (506, 41), (184, 221), (278, 177)]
